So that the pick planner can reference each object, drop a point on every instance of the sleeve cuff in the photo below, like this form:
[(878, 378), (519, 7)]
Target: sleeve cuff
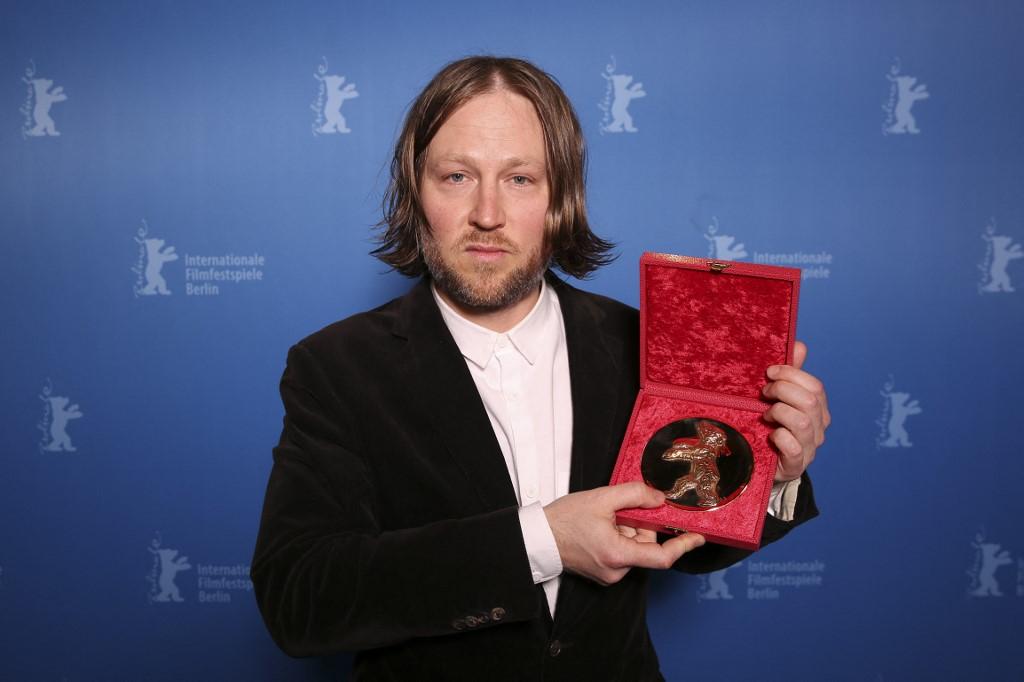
[(545, 562), (782, 501)]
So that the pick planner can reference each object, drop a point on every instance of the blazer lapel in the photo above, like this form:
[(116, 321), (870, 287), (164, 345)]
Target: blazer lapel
[(439, 374), (594, 375)]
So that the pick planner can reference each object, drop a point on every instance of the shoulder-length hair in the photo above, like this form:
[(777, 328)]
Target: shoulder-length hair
[(574, 248)]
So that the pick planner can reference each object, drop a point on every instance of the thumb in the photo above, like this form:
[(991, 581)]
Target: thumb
[(635, 494), (681, 544)]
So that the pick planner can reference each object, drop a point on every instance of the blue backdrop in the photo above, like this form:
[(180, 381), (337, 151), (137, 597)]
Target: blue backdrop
[(187, 188)]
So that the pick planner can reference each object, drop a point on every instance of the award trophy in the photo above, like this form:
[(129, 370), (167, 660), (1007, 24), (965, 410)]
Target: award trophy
[(709, 330)]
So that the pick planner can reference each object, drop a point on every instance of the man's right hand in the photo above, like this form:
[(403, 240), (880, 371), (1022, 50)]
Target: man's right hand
[(592, 545)]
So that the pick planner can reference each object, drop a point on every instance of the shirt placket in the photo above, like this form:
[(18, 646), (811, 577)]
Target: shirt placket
[(524, 446)]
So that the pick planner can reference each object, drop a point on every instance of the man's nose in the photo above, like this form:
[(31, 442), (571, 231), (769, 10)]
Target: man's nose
[(488, 209)]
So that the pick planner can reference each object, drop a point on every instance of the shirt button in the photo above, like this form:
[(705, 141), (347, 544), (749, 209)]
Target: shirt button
[(555, 648), (531, 492), (497, 613)]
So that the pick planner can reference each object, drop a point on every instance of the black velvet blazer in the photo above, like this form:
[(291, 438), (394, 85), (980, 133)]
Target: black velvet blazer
[(390, 525)]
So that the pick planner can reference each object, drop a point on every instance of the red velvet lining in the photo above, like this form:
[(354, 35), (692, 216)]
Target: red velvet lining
[(714, 331)]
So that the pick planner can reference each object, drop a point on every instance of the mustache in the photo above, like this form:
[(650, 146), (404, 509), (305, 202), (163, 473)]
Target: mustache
[(488, 240)]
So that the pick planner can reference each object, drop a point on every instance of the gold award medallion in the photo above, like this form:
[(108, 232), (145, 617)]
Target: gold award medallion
[(698, 462)]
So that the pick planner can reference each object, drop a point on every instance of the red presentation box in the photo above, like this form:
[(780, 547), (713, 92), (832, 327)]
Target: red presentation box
[(709, 330)]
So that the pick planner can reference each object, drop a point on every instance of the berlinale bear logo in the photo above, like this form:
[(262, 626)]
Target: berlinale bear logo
[(898, 407), (329, 100), (150, 262), (57, 412), (713, 585), (723, 246), (36, 110), (904, 92), (619, 92), (988, 558), (999, 251), (165, 568)]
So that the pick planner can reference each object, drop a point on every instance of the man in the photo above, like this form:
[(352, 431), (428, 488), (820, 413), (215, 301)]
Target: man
[(438, 500)]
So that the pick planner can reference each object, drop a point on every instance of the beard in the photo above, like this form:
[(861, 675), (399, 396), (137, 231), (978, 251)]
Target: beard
[(483, 286)]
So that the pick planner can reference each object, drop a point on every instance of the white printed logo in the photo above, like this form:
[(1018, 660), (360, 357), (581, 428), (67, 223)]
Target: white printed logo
[(204, 274), (215, 583), (904, 91), (713, 585), (898, 406), (327, 105), (152, 256), (766, 580), (999, 251), (57, 412), (40, 97), (619, 92), (989, 557), (165, 569), (218, 582), (723, 246)]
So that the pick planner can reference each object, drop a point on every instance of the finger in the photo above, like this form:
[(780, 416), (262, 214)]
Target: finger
[(687, 542), (789, 375), (653, 555), (796, 376), (796, 396), (807, 428), (644, 535), (634, 494), (826, 416), (626, 531), (792, 459), (789, 447), (799, 354)]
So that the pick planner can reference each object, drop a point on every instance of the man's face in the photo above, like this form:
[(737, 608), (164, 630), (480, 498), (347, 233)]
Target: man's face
[(484, 191)]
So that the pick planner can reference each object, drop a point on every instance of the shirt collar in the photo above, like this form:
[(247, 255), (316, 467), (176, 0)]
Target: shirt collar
[(477, 343)]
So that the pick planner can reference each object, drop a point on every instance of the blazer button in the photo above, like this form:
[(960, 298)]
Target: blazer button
[(497, 613), (471, 621), (459, 624), (555, 648)]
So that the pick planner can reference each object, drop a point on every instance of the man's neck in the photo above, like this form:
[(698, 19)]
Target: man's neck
[(498, 320)]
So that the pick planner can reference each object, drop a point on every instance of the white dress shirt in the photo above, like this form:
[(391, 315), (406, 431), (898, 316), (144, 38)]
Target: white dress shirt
[(523, 380)]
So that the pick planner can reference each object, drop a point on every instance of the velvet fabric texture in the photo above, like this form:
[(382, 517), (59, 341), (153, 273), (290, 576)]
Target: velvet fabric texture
[(714, 331), (390, 524)]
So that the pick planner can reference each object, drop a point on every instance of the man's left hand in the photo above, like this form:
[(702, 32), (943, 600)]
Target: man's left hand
[(801, 411)]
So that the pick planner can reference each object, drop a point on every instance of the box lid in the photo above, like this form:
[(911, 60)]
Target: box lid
[(714, 325)]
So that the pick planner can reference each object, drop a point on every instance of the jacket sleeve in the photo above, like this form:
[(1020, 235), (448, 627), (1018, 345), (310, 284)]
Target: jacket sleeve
[(712, 557), (328, 577)]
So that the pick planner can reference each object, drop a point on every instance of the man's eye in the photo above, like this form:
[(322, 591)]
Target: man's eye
[(456, 177), (520, 179)]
